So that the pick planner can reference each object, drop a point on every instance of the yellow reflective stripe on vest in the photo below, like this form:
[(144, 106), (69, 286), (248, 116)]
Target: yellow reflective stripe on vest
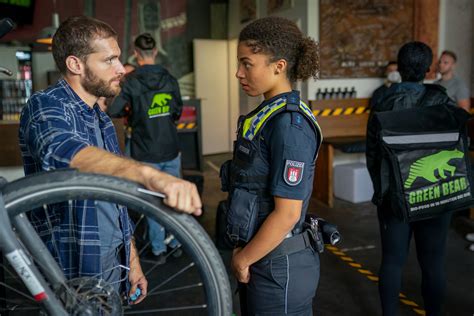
[(311, 116), (252, 125)]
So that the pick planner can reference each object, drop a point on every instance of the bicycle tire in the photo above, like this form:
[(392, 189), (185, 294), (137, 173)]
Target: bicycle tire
[(68, 184)]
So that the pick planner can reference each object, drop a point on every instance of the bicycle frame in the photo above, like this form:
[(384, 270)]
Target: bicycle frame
[(25, 268)]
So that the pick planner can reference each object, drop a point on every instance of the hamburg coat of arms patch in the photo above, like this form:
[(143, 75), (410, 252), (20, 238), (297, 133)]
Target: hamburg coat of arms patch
[(293, 172)]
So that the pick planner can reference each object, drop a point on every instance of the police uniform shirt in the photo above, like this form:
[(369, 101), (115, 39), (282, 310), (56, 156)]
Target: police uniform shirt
[(289, 145)]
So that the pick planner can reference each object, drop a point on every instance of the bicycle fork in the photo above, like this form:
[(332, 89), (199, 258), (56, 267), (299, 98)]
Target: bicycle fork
[(24, 267)]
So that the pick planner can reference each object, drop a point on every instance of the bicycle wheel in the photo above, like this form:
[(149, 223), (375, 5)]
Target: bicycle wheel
[(194, 283)]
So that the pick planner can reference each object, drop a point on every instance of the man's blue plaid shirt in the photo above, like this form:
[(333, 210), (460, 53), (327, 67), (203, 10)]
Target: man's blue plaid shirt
[(54, 126)]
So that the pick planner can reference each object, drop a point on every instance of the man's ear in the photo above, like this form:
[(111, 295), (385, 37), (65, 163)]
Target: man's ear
[(280, 66), (74, 65)]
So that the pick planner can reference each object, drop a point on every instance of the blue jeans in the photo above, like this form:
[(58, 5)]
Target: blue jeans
[(156, 232)]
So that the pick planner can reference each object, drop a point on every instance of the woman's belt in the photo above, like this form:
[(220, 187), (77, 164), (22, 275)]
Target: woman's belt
[(290, 245)]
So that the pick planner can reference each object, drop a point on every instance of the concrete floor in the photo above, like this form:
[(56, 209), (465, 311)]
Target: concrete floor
[(348, 283)]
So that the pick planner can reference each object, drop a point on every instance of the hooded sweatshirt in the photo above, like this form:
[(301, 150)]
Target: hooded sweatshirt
[(155, 102)]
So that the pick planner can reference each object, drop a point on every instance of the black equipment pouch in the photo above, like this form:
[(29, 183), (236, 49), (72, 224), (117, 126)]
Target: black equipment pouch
[(428, 158), (242, 217), (224, 174)]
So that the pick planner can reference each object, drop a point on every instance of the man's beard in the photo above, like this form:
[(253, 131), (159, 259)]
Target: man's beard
[(98, 87)]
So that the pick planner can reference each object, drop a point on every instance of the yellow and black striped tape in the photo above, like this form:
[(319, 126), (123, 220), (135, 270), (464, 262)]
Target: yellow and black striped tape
[(186, 125), (372, 277), (341, 111)]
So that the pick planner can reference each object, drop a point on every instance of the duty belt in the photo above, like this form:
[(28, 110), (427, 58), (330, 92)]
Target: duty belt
[(290, 245)]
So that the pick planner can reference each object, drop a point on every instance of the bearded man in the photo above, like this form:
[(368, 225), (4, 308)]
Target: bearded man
[(63, 126)]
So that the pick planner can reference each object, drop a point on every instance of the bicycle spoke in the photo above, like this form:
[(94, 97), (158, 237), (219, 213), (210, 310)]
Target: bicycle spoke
[(12, 274), (144, 248), (19, 308), (17, 291), (170, 309), (186, 287), (158, 264), (189, 266)]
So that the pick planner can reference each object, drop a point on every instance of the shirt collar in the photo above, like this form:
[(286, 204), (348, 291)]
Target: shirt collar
[(81, 105)]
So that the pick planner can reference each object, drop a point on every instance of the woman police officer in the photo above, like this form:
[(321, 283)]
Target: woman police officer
[(270, 176)]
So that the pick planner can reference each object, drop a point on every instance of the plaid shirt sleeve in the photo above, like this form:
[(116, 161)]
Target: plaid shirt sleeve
[(50, 134)]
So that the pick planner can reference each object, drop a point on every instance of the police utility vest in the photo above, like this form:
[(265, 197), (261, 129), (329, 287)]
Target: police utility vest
[(428, 156), (246, 177)]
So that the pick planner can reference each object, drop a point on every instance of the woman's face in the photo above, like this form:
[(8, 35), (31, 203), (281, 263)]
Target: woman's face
[(256, 74)]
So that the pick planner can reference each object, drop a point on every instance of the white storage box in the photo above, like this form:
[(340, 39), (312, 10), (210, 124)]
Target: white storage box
[(352, 183)]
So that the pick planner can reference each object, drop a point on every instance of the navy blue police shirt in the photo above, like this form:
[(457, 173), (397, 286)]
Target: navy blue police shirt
[(287, 140)]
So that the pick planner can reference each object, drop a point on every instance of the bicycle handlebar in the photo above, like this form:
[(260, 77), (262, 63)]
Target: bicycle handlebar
[(6, 25)]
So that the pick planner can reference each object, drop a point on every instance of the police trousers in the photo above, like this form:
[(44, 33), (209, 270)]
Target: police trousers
[(285, 285)]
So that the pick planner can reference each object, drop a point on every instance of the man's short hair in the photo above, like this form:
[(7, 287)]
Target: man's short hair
[(74, 38), (414, 61), (450, 53), (144, 44)]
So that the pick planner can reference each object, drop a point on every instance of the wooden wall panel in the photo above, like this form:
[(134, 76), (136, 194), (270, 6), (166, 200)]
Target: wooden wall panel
[(426, 17)]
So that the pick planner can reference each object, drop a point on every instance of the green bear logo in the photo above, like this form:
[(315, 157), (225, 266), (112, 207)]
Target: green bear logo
[(425, 167), (159, 106)]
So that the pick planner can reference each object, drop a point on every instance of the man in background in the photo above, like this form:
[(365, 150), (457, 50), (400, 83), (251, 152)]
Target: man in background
[(455, 87), (154, 98)]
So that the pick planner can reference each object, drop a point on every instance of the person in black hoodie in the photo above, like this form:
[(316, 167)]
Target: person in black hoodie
[(414, 60), (153, 96)]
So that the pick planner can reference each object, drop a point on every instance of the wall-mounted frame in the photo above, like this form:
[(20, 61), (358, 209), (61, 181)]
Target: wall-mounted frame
[(358, 38)]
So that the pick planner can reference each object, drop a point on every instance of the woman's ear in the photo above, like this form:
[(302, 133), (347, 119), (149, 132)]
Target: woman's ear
[(74, 65), (280, 66)]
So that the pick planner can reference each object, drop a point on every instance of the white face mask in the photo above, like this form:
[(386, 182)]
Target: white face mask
[(394, 77)]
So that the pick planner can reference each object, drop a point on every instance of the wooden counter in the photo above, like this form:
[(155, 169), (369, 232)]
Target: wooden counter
[(10, 149), (342, 122)]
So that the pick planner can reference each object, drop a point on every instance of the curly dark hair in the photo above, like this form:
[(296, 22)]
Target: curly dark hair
[(74, 37), (281, 38), (414, 61)]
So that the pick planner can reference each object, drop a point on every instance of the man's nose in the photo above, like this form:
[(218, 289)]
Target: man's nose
[(120, 69)]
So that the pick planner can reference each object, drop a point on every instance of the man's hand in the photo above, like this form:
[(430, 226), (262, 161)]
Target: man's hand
[(239, 268), (180, 194), (136, 276)]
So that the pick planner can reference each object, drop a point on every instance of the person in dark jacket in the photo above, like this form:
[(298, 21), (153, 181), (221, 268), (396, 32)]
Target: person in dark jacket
[(154, 99), (414, 60), (391, 76)]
